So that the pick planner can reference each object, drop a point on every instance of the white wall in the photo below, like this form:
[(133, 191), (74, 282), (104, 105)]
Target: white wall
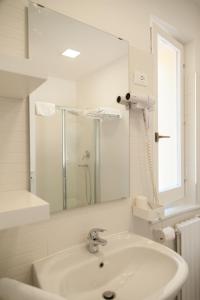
[(129, 19), (13, 29), (14, 151)]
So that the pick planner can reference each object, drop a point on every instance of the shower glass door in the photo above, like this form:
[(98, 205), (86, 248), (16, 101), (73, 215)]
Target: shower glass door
[(74, 175), (48, 160), (80, 161)]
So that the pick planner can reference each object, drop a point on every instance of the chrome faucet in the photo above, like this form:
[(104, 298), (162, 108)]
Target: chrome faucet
[(94, 240)]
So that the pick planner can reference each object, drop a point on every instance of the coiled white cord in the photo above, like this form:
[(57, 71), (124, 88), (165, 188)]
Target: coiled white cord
[(150, 162)]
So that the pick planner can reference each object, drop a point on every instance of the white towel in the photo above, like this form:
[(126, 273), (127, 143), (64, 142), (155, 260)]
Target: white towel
[(45, 109), (14, 290)]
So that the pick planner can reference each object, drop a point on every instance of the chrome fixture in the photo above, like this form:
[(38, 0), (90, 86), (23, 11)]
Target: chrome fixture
[(64, 159), (94, 240), (83, 165), (88, 184), (86, 155), (109, 295), (158, 136)]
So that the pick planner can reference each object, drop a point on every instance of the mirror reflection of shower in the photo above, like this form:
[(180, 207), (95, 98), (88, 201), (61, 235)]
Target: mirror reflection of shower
[(77, 163), (70, 171), (77, 92), (85, 166)]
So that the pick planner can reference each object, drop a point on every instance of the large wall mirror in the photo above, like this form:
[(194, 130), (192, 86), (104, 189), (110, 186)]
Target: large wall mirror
[(79, 134)]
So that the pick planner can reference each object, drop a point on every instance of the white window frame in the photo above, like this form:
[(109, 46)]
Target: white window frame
[(176, 193)]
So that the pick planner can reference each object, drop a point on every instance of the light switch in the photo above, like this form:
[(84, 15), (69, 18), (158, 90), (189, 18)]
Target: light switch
[(140, 78)]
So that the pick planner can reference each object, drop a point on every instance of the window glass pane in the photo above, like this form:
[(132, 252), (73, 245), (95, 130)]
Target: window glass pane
[(169, 150)]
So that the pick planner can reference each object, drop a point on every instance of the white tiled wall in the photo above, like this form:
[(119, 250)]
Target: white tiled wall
[(20, 246), (14, 157), (140, 61), (12, 27)]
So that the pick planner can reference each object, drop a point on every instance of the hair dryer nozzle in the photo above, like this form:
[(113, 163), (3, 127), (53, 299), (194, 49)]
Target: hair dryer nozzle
[(122, 100), (128, 96), (119, 98)]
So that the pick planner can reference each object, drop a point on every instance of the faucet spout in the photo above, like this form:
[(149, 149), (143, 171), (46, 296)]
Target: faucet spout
[(102, 242)]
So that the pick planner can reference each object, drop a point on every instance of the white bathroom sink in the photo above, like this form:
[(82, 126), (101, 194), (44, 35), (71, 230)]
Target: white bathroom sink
[(132, 267)]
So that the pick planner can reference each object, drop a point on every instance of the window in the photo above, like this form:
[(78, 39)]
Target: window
[(169, 146)]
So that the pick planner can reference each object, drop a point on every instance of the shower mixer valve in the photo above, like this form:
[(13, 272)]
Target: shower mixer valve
[(86, 155)]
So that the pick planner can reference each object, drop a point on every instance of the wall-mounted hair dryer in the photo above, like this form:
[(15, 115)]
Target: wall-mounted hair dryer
[(136, 101), (144, 103), (140, 102), (123, 100)]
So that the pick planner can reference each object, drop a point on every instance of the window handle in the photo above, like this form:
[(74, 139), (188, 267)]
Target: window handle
[(157, 137)]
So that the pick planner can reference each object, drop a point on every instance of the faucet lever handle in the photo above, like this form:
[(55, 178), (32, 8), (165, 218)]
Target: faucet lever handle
[(94, 232), (99, 229)]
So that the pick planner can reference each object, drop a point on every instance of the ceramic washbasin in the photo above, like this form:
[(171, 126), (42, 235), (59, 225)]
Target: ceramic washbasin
[(132, 267)]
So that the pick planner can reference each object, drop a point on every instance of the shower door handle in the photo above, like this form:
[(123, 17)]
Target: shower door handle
[(157, 137)]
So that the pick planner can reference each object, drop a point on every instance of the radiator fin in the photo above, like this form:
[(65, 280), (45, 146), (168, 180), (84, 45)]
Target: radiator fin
[(190, 251)]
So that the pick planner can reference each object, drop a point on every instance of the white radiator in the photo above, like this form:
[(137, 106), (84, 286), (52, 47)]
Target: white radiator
[(189, 247)]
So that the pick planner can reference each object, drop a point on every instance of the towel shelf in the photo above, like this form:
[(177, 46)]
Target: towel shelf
[(20, 208), (19, 77)]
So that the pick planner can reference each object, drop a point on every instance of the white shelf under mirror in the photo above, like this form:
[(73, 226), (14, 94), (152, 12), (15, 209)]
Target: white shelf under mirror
[(20, 208), (19, 77)]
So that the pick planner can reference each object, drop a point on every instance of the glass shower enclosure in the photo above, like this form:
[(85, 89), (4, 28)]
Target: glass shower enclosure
[(66, 160)]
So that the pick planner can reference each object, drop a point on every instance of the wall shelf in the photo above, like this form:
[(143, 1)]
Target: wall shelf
[(20, 208), (19, 77)]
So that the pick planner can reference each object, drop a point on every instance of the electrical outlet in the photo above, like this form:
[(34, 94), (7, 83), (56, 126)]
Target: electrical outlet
[(140, 78)]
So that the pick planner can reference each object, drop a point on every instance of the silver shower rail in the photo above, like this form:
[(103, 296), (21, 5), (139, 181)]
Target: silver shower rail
[(64, 160), (63, 109)]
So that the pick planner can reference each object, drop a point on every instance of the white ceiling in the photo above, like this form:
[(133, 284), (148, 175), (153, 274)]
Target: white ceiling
[(51, 33)]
